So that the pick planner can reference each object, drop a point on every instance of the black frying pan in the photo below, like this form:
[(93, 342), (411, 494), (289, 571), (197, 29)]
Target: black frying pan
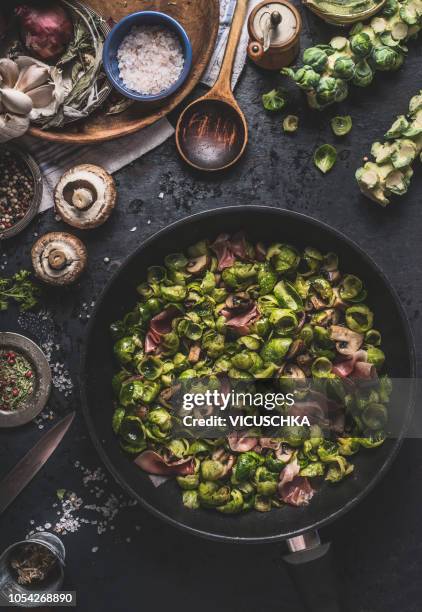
[(266, 224)]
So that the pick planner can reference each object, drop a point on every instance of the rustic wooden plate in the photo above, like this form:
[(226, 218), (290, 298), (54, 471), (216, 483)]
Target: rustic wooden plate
[(200, 18)]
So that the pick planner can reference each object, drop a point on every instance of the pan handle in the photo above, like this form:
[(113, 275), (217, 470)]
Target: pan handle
[(310, 567)]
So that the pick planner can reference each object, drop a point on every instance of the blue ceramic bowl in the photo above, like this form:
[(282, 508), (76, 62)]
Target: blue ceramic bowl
[(123, 28)]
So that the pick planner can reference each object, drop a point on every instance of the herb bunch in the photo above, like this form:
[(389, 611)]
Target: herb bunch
[(19, 289)]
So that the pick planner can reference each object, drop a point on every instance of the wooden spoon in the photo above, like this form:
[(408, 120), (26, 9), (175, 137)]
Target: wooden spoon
[(212, 132)]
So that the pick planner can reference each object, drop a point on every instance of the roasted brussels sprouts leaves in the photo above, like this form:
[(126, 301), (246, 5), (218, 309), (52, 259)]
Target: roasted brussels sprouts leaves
[(325, 157), (274, 100), (245, 320)]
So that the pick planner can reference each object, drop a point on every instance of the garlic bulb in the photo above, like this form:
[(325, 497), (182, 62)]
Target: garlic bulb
[(29, 89), (16, 101), (12, 126)]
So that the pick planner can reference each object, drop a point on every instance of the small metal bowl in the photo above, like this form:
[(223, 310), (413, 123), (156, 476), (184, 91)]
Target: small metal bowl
[(343, 20), (123, 28), (33, 405), (35, 172)]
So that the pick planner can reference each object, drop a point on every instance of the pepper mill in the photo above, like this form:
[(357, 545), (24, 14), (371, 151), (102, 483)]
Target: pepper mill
[(274, 33)]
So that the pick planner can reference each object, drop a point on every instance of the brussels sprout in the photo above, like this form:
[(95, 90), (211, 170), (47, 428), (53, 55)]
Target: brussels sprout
[(321, 368), (176, 261), (243, 360), (265, 481), (323, 288), (234, 505), (361, 45), (212, 470), (283, 320), (191, 500), (375, 416), (373, 441), (287, 296), (341, 125), (262, 504), (131, 392), (326, 91), (124, 350), (132, 430), (344, 68), (290, 123), (158, 424), (404, 153), (177, 293), (246, 465), (213, 344), (274, 100), (275, 350), (151, 368), (390, 8), (118, 380), (315, 58), (359, 318), (375, 356), (385, 58), (325, 157), (351, 287), (283, 258), (306, 77), (211, 494), (373, 337), (335, 473), (118, 416), (348, 446), (267, 279), (208, 282), (364, 74), (312, 470), (410, 13), (188, 329), (295, 435)]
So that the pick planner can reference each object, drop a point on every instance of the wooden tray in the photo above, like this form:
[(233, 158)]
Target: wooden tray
[(200, 18)]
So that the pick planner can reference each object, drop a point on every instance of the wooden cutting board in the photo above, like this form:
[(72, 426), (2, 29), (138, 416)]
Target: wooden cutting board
[(200, 18)]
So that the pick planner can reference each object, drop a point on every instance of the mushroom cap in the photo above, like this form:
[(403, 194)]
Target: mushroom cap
[(58, 258), (95, 193)]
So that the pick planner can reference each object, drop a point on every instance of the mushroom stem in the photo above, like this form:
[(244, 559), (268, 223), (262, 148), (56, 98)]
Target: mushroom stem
[(82, 198), (57, 259)]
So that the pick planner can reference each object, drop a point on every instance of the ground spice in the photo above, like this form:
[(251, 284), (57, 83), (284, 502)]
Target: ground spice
[(16, 189), (16, 380)]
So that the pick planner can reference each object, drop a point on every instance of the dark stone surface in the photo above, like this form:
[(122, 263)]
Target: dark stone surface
[(378, 544)]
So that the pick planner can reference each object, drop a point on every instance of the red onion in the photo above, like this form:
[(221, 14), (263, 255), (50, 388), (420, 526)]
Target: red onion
[(46, 29)]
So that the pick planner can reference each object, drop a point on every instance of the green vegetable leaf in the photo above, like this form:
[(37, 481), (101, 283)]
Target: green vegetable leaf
[(325, 157), (290, 123), (274, 100), (20, 289), (341, 125)]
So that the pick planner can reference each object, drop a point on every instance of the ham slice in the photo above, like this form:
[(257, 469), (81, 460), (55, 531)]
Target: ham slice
[(288, 473), (298, 492), (153, 463), (269, 443), (241, 322), (228, 250), (159, 326), (345, 368), (240, 443)]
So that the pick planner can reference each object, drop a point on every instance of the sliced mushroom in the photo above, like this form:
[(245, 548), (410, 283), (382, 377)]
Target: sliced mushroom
[(85, 196), (59, 258), (198, 264), (291, 370), (296, 347), (348, 342), (194, 353), (238, 301)]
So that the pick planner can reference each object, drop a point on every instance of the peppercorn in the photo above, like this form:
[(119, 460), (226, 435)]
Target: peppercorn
[(16, 189)]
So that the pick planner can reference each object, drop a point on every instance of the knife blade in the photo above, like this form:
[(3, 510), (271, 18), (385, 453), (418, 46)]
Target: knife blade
[(24, 471)]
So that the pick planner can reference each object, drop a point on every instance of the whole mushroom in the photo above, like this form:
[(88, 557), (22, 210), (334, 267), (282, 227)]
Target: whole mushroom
[(85, 196), (59, 258)]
